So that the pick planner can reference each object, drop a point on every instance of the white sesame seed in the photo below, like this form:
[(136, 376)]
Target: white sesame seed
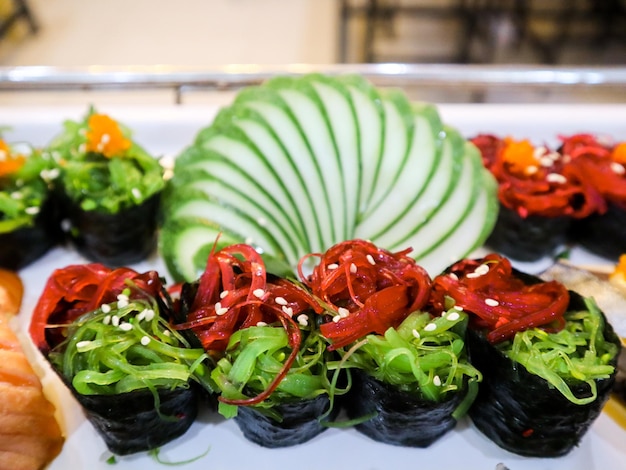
[(149, 314), (105, 139), (492, 302), (33, 210), (261, 323), (303, 319), (126, 326), (472, 275), (430, 327), (453, 276), (145, 340), (17, 195), (538, 152), (223, 294), (136, 193), (343, 312), (458, 308), (556, 178), (288, 310), (545, 161), (370, 260), (141, 315), (336, 319), (83, 344), (221, 311), (353, 268), (453, 316), (531, 169), (107, 319), (258, 293), (106, 308), (115, 320), (332, 266), (437, 381), (121, 303), (618, 168), (416, 333), (167, 333), (280, 301), (482, 269)]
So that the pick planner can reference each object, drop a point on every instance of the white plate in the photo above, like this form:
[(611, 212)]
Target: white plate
[(218, 444)]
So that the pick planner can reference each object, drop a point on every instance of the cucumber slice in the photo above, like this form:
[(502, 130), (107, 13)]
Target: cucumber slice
[(185, 244), (421, 164)]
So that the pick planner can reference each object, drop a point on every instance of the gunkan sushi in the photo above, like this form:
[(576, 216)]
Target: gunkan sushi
[(411, 380), (107, 335), (547, 355), (29, 213), (270, 373), (111, 189)]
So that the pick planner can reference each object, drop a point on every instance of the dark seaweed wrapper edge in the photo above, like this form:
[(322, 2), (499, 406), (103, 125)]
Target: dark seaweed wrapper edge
[(22, 246), (528, 238), (520, 411), (602, 234), (119, 239), (300, 422), (401, 419)]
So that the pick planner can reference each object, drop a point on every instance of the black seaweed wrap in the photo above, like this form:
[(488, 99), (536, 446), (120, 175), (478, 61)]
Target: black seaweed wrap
[(129, 422), (117, 239), (21, 247), (300, 422), (401, 418), (530, 238), (521, 412), (603, 234)]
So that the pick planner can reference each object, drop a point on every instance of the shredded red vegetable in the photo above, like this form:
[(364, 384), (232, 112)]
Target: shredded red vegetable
[(366, 288), (77, 289), (235, 292), (498, 300)]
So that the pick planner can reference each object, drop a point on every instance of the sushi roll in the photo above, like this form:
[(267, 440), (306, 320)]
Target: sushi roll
[(270, 373), (604, 167), (411, 380), (540, 196), (111, 188), (29, 213), (548, 356), (106, 333)]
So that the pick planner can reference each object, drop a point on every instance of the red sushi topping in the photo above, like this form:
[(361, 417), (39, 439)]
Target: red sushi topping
[(77, 289), (500, 301), (235, 292), (535, 180), (367, 289)]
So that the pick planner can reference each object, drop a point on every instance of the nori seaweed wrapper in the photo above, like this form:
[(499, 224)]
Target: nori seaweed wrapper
[(521, 412), (300, 422), (119, 239), (27, 244), (129, 422), (603, 234), (401, 418), (528, 238)]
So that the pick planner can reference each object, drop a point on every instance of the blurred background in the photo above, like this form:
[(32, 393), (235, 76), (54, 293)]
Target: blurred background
[(206, 33)]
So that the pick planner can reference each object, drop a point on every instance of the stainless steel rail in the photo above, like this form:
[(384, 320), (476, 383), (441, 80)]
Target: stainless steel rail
[(232, 77)]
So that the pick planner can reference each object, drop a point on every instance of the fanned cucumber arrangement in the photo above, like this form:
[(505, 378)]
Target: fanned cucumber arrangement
[(299, 164)]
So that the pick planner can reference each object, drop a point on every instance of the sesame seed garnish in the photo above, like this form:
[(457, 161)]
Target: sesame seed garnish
[(370, 260), (343, 312), (105, 139), (545, 161), (288, 310), (145, 340), (556, 178), (219, 310), (258, 293), (106, 308), (83, 345), (437, 380), (531, 169), (353, 268), (106, 320), (167, 333), (332, 266), (538, 152), (223, 294), (115, 320), (492, 302), (122, 301), (303, 319), (336, 319), (453, 276), (126, 326), (149, 314), (261, 323), (430, 327), (17, 195), (141, 315), (453, 316), (136, 193), (32, 210), (280, 301), (458, 308), (618, 168), (416, 333), (482, 269)]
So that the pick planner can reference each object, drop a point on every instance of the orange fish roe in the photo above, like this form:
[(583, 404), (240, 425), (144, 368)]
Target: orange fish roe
[(520, 155), (9, 163), (105, 136), (619, 153)]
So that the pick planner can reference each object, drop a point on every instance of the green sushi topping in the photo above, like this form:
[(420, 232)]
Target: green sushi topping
[(254, 357), (24, 186), (578, 353), (126, 346), (425, 355), (102, 168)]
